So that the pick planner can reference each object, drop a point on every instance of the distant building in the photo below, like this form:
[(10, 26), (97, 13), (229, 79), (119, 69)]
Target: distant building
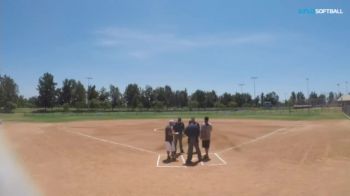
[(344, 99), (345, 103)]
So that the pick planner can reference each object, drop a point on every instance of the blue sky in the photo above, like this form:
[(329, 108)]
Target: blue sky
[(185, 44)]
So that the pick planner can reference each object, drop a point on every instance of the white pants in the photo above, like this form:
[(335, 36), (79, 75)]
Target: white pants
[(169, 146)]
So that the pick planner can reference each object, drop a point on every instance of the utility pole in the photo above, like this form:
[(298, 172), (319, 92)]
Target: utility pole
[(346, 87), (338, 85), (87, 91), (339, 96), (307, 90), (254, 78)]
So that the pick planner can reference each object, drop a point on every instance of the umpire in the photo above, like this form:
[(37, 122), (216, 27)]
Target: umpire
[(192, 131), (179, 129)]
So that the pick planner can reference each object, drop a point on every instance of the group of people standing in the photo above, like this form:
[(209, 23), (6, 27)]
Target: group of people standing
[(174, 133)]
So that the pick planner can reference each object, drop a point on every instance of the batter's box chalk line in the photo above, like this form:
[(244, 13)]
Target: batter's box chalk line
[(182, 158)]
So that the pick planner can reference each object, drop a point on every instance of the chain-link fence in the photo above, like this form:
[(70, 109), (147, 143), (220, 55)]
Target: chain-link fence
[(346, 108)]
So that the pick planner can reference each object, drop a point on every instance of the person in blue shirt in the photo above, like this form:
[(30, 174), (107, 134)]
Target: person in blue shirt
[(192, 132)]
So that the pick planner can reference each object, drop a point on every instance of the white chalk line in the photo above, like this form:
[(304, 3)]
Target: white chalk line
[(169, 166), (221, 159), (158, 160), (223, 162), (183, 159), (157, 129), (252, 141), (346, 115), (113, 142)]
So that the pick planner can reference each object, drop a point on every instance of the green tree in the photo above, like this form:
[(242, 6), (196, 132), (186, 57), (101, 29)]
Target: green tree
[(313, 98), (67, 92), (256, 101), (104, 98), (193, 104), (293, 98), (272, 97), (92, 93), (34, 101), (132, 95), (331, 98), (210, 98), (147, 97), (78, 95), (47, 93), (159, 95), (115, 95), (322, 99), (262, 99), (22, 102), (8, 93), (198, 97), (225, 99), (181, 98), (300, 98), (240, 99), (169, 96)]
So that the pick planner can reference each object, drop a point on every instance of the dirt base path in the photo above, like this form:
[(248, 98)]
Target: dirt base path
[(120, 157)]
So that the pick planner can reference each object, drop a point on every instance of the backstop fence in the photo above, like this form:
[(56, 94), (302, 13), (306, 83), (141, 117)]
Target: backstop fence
[(346, 108)]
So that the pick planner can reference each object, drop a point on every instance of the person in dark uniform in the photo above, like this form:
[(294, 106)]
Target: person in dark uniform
[(194, 121), (192, 132), (169, 143), (178, 129)]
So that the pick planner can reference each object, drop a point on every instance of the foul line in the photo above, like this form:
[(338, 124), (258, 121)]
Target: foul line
[(252, 141), (221, 159), (346, 115), (112, 142)]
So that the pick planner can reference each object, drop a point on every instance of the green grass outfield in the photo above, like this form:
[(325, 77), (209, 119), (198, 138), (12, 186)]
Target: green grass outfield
[(274, 114)]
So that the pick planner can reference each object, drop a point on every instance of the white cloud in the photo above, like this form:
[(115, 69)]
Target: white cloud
[(142, 44)]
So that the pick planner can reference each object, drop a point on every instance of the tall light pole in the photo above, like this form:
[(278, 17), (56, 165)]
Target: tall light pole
[(241, 85), (346, 87), (307, 86), (254, 78), (339, 95), (87, 90), (307, 90)]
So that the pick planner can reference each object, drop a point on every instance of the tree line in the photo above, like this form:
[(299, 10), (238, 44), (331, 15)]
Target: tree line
[(73, 94)]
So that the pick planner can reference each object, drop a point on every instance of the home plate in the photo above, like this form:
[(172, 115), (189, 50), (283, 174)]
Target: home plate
[(180, 161), (215, 160)]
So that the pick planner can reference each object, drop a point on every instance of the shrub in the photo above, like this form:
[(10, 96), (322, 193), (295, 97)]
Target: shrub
[(94, 103), (158, 105), (193, 104), (66, 107), (232, 104), (219, 105), (9, 107)]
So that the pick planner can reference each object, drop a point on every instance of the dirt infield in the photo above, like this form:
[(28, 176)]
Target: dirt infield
[(259, 157)]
